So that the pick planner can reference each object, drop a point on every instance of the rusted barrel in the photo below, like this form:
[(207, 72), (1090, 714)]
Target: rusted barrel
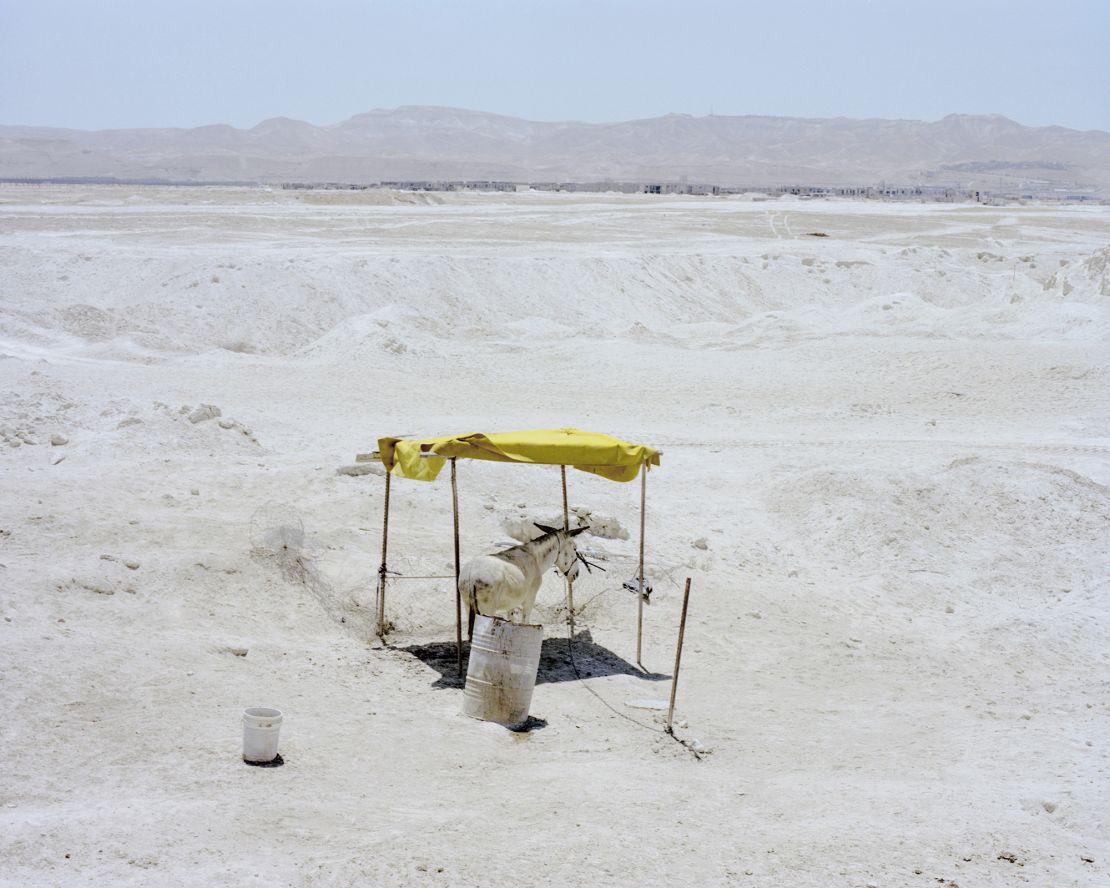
[(501, 675)]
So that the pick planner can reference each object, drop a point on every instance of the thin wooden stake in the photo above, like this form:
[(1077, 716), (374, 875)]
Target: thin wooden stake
[(566, 526), (640, 601), (382, 569), (458, 594), (678, 656)]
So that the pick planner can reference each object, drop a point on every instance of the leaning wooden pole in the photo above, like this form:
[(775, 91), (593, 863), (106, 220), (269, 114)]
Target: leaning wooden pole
[(640, 597), (566, 526), (458, 594), (678, 655), (382, 569)]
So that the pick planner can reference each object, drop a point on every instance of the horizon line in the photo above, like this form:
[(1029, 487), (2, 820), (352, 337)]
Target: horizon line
[(452, 108)]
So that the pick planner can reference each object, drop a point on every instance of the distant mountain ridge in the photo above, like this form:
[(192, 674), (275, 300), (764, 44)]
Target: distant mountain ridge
[(421, 142)]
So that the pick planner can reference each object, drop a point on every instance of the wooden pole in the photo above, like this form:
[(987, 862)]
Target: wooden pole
[(458, 594), (678, 655), (382, 569), (566, 526), (640, 601)]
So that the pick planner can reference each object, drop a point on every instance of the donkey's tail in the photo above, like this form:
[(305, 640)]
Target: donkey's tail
[(469, 592)]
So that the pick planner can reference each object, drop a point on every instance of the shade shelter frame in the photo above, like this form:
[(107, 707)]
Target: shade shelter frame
[(422, 459)]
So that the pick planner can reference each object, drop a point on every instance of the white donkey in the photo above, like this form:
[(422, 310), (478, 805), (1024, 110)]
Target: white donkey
[(509, 580)]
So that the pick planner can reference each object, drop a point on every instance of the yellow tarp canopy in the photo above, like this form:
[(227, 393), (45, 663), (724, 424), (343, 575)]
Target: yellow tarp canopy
[(591, 452)]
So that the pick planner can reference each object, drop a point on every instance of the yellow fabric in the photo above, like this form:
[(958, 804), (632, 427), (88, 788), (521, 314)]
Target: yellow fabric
[(591, 452)]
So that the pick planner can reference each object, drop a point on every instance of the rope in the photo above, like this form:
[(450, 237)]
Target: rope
[(604, 702), (578, 675)]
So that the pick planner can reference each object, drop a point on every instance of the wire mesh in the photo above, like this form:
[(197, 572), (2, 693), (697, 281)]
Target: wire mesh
[(418, 608)]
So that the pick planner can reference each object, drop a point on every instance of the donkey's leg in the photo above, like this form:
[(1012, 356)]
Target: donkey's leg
[(529, 603)]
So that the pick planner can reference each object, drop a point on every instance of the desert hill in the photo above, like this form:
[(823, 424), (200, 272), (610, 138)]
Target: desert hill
[(416, 142)]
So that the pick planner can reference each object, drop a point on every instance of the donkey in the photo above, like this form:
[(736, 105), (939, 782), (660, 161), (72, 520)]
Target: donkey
[(509, 580)]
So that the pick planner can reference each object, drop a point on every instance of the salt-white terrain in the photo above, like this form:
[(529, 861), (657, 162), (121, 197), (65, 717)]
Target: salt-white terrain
[(885, 433)]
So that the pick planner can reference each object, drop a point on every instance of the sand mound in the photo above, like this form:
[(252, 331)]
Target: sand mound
[(125, 303), (977, 527)]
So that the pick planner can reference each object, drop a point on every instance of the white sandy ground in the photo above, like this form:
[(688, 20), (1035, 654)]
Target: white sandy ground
[(892, 439)]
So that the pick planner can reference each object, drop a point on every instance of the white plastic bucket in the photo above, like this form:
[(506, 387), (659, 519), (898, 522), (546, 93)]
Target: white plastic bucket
[(260, 734), (501, 675)]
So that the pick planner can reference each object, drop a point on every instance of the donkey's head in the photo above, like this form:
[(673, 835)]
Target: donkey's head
[(566, 558)]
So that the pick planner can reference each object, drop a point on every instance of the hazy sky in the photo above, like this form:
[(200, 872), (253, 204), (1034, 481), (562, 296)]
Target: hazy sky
[(96, 64)]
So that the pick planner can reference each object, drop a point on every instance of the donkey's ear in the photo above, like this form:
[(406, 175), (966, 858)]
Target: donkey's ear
[(577, 530), (545, 528)]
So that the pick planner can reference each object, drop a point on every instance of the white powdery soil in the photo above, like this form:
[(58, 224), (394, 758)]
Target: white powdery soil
[(885, 471)]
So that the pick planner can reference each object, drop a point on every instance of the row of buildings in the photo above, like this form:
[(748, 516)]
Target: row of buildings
[(878, 192), (804, 192)]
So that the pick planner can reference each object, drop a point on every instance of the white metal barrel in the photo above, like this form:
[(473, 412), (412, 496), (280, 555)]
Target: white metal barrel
[(501, 675)]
